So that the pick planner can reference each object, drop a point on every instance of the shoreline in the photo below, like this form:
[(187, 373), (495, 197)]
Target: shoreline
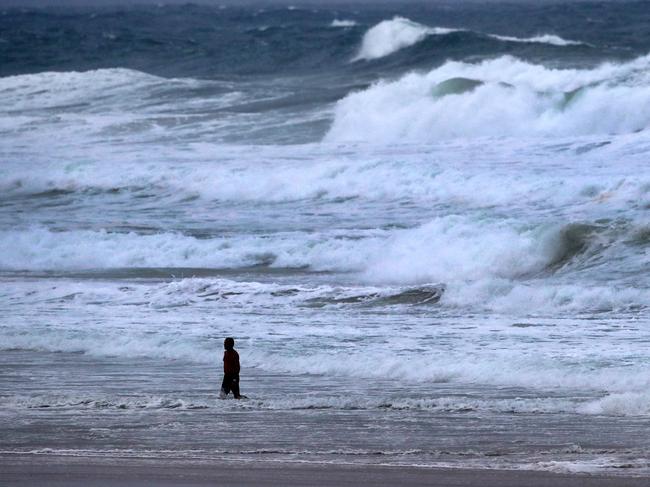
[(27, 470)]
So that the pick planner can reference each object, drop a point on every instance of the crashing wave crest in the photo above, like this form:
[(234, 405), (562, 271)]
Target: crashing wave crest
[(499, 97)]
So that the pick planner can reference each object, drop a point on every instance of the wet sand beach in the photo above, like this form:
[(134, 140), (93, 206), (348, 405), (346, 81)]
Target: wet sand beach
[(59, 471)]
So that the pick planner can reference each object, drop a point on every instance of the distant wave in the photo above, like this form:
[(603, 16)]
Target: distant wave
[(343, 23), (542, 39), (389, 36), (499, 97)]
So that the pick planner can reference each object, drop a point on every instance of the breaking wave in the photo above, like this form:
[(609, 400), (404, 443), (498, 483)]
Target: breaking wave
[(498, 97), (487, 294), (446, 249)]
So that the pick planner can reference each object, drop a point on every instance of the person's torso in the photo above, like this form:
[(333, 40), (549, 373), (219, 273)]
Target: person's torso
[(231, 362)]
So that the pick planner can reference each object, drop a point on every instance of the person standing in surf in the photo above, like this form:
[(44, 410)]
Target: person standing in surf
[(230, 370)]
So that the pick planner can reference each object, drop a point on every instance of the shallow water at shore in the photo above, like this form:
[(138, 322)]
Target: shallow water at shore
[(157, 409)]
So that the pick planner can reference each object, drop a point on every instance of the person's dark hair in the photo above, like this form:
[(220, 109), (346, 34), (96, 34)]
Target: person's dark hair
[(229, 343)]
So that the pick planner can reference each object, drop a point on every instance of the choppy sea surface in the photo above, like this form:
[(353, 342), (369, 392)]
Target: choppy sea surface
[(426, 226)]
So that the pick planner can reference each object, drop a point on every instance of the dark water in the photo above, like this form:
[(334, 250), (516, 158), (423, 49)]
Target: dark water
[(228, 42)]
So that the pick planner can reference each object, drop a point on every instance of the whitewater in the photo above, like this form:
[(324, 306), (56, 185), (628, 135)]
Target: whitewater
[(427, 230)]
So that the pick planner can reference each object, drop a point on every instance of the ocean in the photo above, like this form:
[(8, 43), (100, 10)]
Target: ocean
[(425, 225)]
